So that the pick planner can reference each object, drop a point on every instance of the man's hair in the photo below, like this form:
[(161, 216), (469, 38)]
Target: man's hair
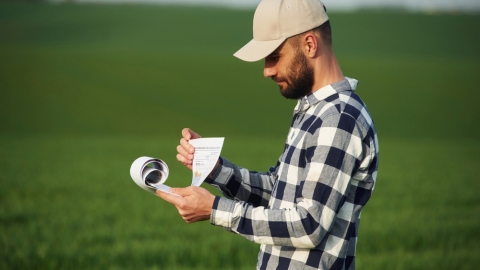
[(324, 31)]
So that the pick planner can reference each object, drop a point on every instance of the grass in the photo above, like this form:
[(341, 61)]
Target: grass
[(84, 90)]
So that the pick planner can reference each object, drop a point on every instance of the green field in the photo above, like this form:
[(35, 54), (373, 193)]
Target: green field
[(84, 90)]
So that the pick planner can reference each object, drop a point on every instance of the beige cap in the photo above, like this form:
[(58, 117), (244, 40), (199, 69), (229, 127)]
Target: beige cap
[(276, 20)]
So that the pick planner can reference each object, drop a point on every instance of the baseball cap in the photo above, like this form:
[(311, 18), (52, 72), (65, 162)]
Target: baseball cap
[(276, 20)]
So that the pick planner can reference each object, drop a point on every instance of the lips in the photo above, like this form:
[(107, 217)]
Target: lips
[(276, 79)]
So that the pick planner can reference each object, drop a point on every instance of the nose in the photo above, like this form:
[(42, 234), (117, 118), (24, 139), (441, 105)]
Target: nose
[(269, 69)]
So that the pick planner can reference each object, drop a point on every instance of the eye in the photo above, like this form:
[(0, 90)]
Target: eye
[(273, 58)]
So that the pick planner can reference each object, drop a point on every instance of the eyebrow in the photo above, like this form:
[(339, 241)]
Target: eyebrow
[(274, 54)]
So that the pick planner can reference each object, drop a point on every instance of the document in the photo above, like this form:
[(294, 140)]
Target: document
[(207, 151), (151, 173)]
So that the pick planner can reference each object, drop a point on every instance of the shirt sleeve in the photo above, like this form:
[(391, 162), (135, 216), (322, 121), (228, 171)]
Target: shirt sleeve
[(334, 149), (238, 183)]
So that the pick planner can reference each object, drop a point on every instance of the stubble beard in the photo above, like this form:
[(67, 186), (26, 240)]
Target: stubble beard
[(299, 78)]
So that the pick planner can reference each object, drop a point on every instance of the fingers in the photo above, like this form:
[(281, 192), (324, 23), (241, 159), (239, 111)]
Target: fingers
[(185, 154), (194, 203), (185, 149), (179, 202), (185, 162)]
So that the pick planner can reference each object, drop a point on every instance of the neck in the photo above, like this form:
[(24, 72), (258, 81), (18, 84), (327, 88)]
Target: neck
[(327, 71)]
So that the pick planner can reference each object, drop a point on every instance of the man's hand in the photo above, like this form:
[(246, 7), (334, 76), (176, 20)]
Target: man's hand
[(185, 150), (194, 203)]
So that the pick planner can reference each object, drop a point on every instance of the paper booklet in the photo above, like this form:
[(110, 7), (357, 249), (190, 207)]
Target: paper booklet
[(151, 173)]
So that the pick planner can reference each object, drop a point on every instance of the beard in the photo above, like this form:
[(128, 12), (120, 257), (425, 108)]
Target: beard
[(299, 78)]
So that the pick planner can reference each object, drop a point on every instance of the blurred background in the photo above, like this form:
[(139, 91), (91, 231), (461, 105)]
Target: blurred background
[(86, 87)]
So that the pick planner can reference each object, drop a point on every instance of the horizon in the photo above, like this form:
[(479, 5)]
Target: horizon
[(336, 5)]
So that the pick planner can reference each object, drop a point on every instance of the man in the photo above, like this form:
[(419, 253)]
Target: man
[(305, 211)]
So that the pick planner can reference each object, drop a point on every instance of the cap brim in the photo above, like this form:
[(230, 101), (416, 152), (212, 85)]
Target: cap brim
[(256, 50)]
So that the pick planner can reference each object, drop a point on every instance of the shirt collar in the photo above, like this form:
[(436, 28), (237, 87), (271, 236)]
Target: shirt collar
[(347, 84)]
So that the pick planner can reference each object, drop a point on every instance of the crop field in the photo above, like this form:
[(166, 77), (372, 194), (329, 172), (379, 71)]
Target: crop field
[(86, 89)]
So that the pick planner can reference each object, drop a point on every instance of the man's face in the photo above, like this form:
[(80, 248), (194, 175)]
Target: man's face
[(289, 67)]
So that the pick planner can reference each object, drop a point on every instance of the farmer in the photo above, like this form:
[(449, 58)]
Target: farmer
[(304, 211)]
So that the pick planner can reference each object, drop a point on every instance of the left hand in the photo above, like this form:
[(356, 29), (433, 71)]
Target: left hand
[(194, 203)]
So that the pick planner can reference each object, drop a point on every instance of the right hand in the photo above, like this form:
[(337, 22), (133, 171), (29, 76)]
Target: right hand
[(186, 150)]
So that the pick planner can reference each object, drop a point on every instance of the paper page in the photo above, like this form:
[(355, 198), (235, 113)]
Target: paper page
[(207, 152)]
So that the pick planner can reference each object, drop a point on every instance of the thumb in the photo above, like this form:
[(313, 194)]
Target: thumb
[(181, 191), (175, 200), (189, 134)]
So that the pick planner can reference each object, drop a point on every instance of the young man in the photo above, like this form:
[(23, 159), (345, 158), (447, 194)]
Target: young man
[(305, 211)]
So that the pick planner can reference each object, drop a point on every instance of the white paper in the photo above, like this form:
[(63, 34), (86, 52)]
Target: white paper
[(151, 173), (207, 151)]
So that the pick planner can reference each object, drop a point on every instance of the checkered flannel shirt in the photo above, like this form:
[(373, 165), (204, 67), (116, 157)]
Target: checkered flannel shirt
[(305, 211)]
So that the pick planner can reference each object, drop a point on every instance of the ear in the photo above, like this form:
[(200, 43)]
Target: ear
[(310, 44)]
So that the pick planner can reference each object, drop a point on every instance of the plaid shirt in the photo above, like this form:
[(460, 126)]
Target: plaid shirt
[(305, 211)]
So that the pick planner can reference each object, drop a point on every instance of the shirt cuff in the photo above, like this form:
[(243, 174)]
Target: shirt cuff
[(222, 212), (223, 173)]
